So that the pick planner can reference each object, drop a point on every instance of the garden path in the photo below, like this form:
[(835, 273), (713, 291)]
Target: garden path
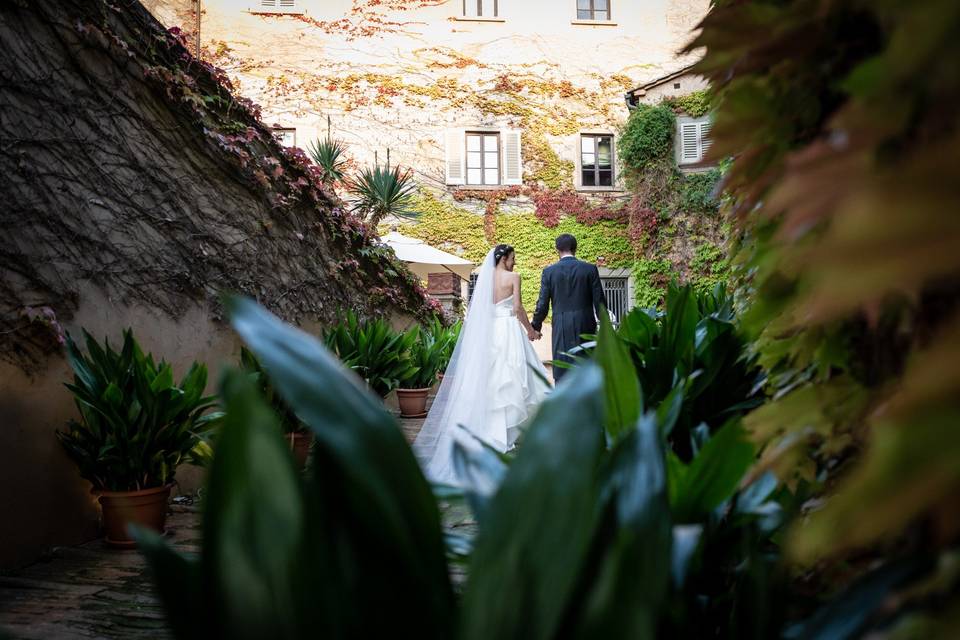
[(91, 591)]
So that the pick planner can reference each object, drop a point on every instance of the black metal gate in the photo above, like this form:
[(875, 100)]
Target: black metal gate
[(616, 293)]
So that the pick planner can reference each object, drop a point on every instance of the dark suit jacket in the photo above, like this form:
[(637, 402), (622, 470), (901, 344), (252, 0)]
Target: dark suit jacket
[(574, 289)]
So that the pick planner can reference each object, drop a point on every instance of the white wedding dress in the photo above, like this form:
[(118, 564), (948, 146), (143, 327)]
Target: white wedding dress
[(491, 388)]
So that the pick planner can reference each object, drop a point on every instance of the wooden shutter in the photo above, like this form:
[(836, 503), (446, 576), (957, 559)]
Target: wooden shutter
[(512, 159), (453, 156), (689, 142), (705, 140)]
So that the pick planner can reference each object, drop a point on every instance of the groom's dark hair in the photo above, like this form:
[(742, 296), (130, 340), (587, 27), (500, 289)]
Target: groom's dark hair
[(566, 243)]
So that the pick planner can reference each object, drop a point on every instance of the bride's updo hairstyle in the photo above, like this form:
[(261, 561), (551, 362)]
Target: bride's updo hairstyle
[(500, 252)]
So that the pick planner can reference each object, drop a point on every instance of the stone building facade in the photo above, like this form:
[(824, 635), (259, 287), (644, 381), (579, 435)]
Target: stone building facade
[(478, 93)]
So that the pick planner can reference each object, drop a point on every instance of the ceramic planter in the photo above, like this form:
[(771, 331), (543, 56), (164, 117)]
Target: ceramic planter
[(413, 402), (147, 508)]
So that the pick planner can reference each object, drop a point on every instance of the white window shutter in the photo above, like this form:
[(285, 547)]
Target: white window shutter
[(512, 158), (689, 142), (268, 4), (705, 140), (453, 156)]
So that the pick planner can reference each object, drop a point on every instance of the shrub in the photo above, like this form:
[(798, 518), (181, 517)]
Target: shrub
[(136, 424), (647, 136), (377, 353), (591, 526)]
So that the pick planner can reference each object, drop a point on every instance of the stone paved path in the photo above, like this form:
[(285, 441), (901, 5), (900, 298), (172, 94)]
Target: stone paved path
[(91, 591)]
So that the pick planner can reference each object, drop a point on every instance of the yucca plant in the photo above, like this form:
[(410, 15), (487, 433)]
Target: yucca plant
[(331, 156), (137, 425), (377, 353), (382, 192)]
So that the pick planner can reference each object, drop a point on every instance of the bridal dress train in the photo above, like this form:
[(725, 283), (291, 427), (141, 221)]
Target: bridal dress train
[(514, 390), (491, 388)]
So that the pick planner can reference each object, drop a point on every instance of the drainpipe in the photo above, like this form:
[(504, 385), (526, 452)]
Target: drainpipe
[(197, 56)]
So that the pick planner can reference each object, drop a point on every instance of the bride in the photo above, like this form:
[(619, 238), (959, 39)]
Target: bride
[(494, 381)]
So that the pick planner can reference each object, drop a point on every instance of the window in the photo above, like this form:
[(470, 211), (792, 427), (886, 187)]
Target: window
[(694, 137), (596, 160), (481, 8), (593, 9), (472, 286), (615, 291), (278, 6), (483, 158), (285, 136)]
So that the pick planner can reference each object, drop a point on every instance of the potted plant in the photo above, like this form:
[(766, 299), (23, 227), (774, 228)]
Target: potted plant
[(377, 353), (136, 427), (294, 431), (426, 355), (446, 338)]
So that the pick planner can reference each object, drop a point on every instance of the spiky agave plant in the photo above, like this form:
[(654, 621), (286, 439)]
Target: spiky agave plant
[(331, 156), (382, 191)]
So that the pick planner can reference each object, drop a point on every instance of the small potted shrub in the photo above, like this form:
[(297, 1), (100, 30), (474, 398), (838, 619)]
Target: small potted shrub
[(426, 355), (136, 427), (295, 432), (377, 353), (446, 338)]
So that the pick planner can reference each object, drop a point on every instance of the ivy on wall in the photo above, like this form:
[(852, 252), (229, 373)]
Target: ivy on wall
[(452, 228), (668, 228)]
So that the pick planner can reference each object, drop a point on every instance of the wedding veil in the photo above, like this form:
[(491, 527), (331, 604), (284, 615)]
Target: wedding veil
[(462, 397)]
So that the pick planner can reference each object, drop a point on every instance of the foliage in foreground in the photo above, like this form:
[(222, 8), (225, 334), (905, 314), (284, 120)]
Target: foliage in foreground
[(590, 527), (843, 118), (137, 425)]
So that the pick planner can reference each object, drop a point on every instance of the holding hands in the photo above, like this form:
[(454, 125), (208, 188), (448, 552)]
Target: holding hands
[(533, 334)]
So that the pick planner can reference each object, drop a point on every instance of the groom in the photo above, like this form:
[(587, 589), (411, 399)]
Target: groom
[(574, 289)]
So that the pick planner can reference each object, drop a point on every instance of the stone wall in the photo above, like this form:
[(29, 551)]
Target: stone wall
[(398, 79)]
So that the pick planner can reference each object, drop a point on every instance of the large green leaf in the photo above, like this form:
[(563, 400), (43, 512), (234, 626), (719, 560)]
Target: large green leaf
[(713, 475), (539, 527), (254, 520), (621, 389), (374, 500), (627, 584)]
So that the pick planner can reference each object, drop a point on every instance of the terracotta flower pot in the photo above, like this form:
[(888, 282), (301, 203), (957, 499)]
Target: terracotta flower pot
[(147, 508), (413, 402), (300, 442)]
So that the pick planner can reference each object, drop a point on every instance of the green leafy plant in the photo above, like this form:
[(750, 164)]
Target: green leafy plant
[(383, 192), (579, 526), (427, 357), (331, 156), (647, 136), (137, 425), (446, 339), (289, 423), (845, 140), (377, 353)]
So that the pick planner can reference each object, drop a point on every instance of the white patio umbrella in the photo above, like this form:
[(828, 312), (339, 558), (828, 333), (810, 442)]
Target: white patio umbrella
[(423, 259)]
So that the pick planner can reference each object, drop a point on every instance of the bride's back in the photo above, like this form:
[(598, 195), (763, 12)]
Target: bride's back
[(502, 285)]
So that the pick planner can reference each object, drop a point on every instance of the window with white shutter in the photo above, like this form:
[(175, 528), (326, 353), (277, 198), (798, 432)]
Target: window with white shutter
[(693, 140), (277, 6), (453, 156), (512, 158)]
